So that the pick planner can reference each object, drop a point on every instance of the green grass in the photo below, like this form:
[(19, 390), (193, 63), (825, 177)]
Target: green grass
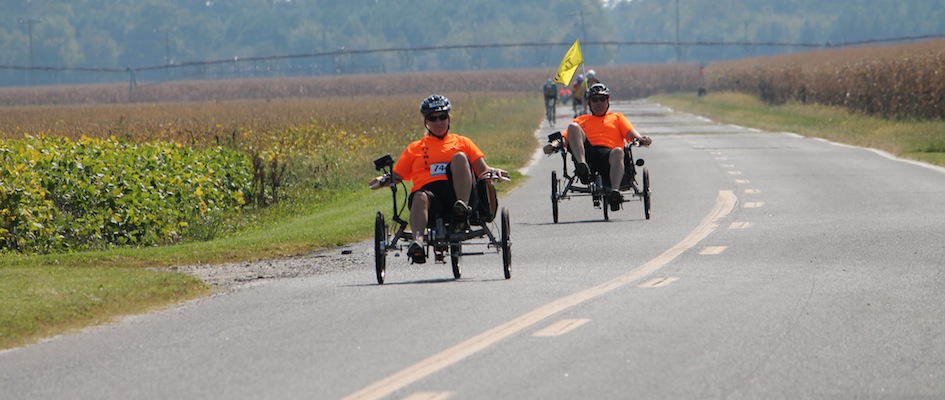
[(48, 300), (48, 295), (913, 139)]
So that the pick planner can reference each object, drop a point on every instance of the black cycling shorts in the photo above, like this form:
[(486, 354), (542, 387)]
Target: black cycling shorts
[(598, 160), (442, 197)]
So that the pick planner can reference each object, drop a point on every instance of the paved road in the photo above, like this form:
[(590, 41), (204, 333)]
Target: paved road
[(774, 266)]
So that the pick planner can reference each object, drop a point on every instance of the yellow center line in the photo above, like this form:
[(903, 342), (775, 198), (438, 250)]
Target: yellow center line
[(724, 203)]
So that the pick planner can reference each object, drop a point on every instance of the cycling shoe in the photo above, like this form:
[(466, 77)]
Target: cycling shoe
[(461, 213), (615, 199), (583, 173), (416, 253)]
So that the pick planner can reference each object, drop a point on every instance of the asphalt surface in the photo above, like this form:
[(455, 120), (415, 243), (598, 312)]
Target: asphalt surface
[(774, 266)]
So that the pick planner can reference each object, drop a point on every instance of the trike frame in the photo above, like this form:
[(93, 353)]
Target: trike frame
[(440, 238), (569, 185)]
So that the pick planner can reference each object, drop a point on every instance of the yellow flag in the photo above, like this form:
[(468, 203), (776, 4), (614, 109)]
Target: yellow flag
[(570, 63)]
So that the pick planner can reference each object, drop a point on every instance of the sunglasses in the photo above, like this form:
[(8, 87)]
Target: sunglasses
[(598, 99), (434, 118)]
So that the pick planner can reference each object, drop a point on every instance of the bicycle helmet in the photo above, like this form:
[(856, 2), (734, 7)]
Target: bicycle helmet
[(598, 89), (435, 103)]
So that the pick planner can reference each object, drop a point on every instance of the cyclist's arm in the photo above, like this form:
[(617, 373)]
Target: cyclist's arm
[(480, 167), (632, 135), (380, 181)]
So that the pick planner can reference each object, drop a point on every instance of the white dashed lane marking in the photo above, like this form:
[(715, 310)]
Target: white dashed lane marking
[(712, 250), (561, 327)]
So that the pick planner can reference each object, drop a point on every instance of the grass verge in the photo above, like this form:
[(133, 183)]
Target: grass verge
[(42, 296)]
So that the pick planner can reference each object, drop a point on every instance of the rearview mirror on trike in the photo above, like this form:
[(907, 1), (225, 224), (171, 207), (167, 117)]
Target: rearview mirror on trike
[(385, 161)]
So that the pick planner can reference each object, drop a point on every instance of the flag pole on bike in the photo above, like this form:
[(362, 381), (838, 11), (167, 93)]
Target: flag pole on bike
[(569, 65)]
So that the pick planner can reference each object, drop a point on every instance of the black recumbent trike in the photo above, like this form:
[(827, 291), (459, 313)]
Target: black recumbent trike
[(599, 186), (441, 237)]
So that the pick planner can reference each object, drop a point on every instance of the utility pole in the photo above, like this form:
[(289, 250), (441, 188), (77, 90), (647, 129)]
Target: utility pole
[(678, 45), (167, 48), (583, 30), (748, 47), (167, 51), (29, 27)]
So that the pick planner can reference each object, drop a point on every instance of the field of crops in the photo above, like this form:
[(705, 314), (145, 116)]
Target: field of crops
[(107, 158), (87, 177), (627, 81), (75, 176), (887, 81)]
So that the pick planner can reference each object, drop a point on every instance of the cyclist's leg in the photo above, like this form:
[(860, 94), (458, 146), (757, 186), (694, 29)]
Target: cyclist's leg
[(461, 172), (616, 167), (426, 205), (419, 205)]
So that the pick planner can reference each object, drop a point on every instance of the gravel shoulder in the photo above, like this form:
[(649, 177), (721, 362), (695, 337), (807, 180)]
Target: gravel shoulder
[(233, 275)]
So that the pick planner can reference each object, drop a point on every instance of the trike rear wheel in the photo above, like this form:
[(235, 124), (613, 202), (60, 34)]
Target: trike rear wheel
[(646, 193), (380, 247), (554, 196), (506, 244)]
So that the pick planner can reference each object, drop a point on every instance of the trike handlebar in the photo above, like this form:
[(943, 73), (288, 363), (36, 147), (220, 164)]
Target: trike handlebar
[(496, 175), (380, 182)]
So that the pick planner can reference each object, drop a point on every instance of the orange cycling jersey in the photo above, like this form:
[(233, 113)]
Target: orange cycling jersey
[(425, 160), (607, 131)]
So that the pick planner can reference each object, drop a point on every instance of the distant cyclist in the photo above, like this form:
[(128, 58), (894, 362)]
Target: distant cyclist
[(590, 81), (550, 91), (577, 95)]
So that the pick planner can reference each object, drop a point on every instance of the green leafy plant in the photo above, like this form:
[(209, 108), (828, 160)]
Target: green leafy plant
[(57, 194)]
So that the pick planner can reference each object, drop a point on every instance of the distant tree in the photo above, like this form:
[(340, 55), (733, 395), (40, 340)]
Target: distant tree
[(98, 49), (147, 33)]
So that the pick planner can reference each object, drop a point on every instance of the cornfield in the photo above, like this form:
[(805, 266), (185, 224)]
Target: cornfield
[(905, 81), (626, 81)]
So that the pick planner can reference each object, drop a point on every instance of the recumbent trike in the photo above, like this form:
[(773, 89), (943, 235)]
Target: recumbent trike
[(441, 237), (599, 186)]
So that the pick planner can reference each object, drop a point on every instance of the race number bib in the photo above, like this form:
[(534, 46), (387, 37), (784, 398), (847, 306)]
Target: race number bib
[(438, 169)]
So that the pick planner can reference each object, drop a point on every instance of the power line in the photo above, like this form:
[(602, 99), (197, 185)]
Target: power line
[(346, 51)]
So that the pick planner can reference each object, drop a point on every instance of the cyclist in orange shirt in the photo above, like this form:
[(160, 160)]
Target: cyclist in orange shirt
[(441, 167), (596, 140)]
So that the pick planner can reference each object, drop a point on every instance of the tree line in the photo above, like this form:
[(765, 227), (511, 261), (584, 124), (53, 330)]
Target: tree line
[(122, 35)]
